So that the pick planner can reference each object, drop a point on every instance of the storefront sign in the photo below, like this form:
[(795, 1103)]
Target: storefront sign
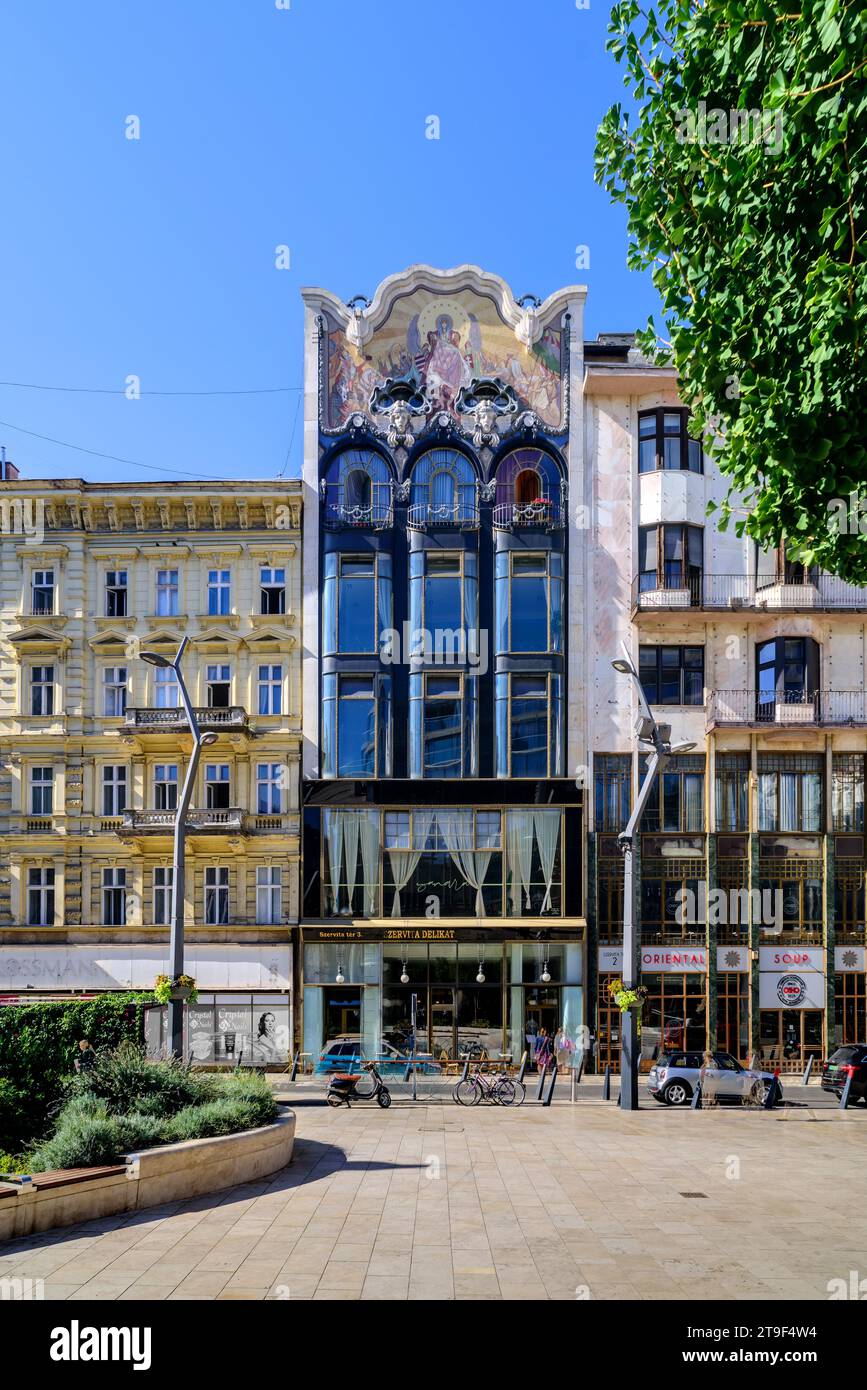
[(657, 959), (136, 967), (783, 958), (850, 958), (791, 989), (731, 960)]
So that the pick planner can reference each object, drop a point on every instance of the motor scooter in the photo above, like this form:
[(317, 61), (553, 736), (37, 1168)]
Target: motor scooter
[(343, 1088)]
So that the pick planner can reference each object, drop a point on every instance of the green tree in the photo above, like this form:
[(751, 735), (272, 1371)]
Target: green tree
[(741, 162)]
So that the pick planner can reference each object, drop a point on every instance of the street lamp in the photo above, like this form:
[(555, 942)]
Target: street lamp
[(176, 940), (657, 738)]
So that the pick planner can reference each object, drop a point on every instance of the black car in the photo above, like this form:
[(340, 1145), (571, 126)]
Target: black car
[(847, 1061)]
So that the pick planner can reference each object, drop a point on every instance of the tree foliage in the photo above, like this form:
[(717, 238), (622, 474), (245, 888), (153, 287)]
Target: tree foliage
[(753, 227)]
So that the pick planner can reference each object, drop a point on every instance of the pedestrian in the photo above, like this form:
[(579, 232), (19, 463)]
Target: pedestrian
[(543, 1050), (86, 1059)]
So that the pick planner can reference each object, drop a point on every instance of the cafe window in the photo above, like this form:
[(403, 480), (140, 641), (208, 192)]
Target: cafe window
[(663, 442), (731, 775), (529, 601), (847, 791), (529, 737), (442, 725), (850, 1007), (356, 726), (677, 799), (672, 675), (790, 791), (612, 790), (674, 1015)]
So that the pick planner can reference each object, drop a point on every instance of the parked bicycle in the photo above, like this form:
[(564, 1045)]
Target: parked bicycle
[(498, 1088)]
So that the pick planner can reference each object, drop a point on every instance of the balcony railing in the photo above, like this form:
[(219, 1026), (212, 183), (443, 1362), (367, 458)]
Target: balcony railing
[(545, 512), (379, 516), (841, 708), (425, 516), (228, 719), (819, 592), (228, 821)]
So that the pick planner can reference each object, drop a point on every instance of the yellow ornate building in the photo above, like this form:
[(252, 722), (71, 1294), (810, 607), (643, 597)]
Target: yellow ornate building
[(93, 749)]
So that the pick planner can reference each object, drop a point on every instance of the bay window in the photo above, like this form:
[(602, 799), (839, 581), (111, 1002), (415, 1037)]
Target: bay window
[(529, 725), (663, 442), (442, 725), (356, 726), (356, 603), (529, 601), (671, 557), (787, 673)]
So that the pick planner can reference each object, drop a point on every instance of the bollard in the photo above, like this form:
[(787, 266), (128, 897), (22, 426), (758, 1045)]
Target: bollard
[(580, 1066), (466, 1071), (695, 1103), (606, 1083), (844, 1099), (415, 1083), (773, 1090), (807, 1070), (293, 1075), (574, 1085), (541, 1086), (547, 1100), (523, 1067)]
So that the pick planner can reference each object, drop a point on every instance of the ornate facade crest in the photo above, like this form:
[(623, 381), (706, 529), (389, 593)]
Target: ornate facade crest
[(485, 401)]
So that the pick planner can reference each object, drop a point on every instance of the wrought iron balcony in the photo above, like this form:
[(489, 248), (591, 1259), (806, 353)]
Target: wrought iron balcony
[(462, 515), (217, 719), (337, 516), (788, 709), (809, 592), (547, 513)]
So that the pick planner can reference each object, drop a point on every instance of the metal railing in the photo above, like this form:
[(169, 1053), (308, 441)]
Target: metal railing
[(546, 512), (219, 719), (846, 708), (379, 516), (823, 592), (424, 516)]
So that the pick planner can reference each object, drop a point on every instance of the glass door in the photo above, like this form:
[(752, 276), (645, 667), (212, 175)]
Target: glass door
[(442, 1023)]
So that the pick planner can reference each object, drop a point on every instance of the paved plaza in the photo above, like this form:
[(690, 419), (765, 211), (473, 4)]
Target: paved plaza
[(430, 1201)]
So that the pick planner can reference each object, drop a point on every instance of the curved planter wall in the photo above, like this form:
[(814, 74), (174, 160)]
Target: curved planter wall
[(170, 1173)]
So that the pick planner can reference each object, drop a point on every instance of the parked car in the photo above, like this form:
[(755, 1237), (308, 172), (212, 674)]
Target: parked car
[(674, 1077), (341, 1054), (847, 1061)]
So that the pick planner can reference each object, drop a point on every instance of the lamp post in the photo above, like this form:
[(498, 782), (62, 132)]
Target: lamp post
[(657, 740), (176, 939)]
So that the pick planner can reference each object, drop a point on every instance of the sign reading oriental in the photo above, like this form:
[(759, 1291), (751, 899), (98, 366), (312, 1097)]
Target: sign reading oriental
[(688, 960)]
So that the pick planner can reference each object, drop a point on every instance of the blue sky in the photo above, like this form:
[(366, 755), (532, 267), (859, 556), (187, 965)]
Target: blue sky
[(260, 127)]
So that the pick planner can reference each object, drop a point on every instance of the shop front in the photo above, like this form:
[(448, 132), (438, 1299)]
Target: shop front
[(850, 996), (792, 992), (675, 1010), (447, 993)]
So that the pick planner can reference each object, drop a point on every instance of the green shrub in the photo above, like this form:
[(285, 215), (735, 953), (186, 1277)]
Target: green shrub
[(126, 1080)]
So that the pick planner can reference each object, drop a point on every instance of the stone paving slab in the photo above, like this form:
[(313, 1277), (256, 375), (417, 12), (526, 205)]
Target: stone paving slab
[(421, 1202)]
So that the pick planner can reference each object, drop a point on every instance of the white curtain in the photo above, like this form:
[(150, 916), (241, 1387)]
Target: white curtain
[(519, 857), (547, 828), (457, 831), (404, 861), (369, 826), (350, 850), (334, 844), (812, 800), (788, 801)]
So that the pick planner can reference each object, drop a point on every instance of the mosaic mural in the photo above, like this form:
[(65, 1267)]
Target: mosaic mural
[(449, 340)]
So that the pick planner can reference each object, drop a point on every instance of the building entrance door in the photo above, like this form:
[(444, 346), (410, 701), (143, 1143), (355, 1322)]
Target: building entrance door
[(442, 1023), (342, 1013), (541, 1010), (789, 1037)]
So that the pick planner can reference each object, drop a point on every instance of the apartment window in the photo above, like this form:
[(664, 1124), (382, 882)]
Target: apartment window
[(663, 442), (166, 693), (663, 885), (787, 673), (790, 791), (162, 896), (269, 893), (41, 791), (443, 605), (116, 594), (40, 897), (42, 690), (356, 726), (272, 589), (529, 725), (269, 777), (217, 897), (217, 786), (671, 557), (442, 725), (677, 800), (796, 885), (612, 790), (529, 601), (219, 593), (356, 603), (672, 675), (847, 791), (113, 790), (732, 772), (166, 787), (270, 689), (114, 897), (42, 592), (114, 681), (218, 686), (167, 593)]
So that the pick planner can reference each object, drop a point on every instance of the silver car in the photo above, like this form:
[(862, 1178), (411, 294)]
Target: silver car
[(674, 1077)]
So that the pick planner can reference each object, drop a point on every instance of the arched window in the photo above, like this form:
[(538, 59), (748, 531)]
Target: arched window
[(443, 490), (528, 487), (529, 490), (358, 490)]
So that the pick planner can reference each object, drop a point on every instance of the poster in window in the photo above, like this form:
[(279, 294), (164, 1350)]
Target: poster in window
[(232, 1033), (270, 1033), (200, 1032)]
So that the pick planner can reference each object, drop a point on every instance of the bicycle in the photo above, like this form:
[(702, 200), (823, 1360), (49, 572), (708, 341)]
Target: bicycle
[(500, 1089)]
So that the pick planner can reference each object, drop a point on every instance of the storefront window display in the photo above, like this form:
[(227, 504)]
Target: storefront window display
[(674, 1014), (228, 1030)]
